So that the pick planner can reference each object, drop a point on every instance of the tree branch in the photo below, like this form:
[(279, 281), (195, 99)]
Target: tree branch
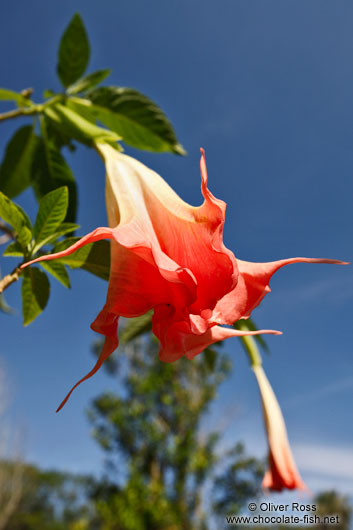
[(7, 280), (26, 93), (16, 113)]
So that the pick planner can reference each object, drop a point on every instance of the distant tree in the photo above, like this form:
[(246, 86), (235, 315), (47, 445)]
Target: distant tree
[(11, 490), (11, 476), (240, 482), (159, 458), (333, 503), (51, 500)]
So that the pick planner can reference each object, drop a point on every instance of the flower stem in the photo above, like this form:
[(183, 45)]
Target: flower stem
[(250, 345)]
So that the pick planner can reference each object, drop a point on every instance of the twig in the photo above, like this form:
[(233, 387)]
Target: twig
[(7, 280), (16, 113), (27, 92)]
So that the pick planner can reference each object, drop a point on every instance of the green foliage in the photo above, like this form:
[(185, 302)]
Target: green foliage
[(50, 171), (63, 229), (137, 119), (16, 168), (51, 213), (74, 52), (58, 271), (137, 506), (240, 482), (332, 503), (88, 82), (13, 215), (48, 228), (77, 127), (10, 95), (46, 500), (14, 250), (35, 294)]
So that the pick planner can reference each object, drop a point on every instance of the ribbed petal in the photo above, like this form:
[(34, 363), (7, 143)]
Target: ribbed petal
[(166, 231)]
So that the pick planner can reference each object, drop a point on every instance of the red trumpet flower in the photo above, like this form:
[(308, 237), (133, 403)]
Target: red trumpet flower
[(169, 256)]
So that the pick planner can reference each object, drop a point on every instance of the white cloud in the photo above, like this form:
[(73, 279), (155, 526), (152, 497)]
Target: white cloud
[(335, 462)]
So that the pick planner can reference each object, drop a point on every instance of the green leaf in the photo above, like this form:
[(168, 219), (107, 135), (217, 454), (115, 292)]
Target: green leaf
[(51, 213), (13, 215), (58, 271), (35, 293), (51, 171), (83, 107), (136, 327), (48, 93), (64, 228), (66, 243), (76, 126), (135, 117), (74, 52), (56, 136), (16, 168), (94, 258), (88, 82), (14, 250), (10, 95)]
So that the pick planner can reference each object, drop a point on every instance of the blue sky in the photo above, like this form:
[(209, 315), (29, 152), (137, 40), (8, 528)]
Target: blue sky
[(266, 88)]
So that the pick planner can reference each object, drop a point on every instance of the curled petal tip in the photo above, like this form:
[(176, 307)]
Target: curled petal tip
[(202, 151), (266, 332), (335, 262)]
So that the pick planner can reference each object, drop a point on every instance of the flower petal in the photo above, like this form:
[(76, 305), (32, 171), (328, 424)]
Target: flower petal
[(282, 472), (155, 223), (97, 234), (252, 286), (177, 338), (107, 324)]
